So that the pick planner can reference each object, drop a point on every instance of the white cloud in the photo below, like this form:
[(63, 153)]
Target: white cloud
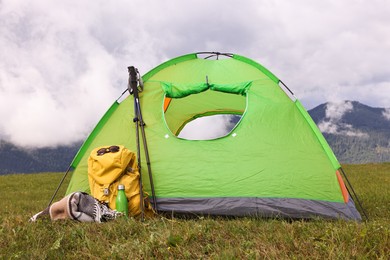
[(333, 124), (386, 113), (328, 127), (208, 127), (56, 77), (335, 110), (63, 63), (337, 128)]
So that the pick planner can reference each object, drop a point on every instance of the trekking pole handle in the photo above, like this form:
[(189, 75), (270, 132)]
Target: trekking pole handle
[(132, 86)]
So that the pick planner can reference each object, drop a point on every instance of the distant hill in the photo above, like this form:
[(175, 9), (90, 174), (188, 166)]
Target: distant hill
[(14, 159), (357, 133)]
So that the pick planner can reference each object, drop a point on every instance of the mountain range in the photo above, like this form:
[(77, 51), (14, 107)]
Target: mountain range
[(14, 159), (357, 133)]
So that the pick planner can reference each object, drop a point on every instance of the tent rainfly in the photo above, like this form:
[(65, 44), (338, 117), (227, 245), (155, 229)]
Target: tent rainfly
[(274, 162)]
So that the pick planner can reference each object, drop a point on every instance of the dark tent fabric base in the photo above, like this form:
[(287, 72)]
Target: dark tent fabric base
[(260, 207)]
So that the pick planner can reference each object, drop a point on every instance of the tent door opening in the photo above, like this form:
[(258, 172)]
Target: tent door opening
[(209, 127), (204, 116)]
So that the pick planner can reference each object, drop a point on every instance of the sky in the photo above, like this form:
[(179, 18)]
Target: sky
[(63, 63)]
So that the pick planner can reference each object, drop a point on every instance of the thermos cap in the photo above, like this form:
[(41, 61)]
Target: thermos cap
[(121, 187)]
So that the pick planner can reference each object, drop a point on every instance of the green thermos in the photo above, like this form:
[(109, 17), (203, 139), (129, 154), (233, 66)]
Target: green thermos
[(121, 202)]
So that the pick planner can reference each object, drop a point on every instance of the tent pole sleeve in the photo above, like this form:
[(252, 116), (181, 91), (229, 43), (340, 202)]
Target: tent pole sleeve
[(284, 85)]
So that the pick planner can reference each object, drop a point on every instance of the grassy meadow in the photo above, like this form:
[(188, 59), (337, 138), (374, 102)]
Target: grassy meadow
[(23, 195)]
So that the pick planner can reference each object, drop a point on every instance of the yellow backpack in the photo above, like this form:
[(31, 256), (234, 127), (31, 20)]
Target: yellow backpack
[(110, 166)]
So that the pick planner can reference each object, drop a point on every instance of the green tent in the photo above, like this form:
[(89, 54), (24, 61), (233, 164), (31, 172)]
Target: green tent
[(274, 162)]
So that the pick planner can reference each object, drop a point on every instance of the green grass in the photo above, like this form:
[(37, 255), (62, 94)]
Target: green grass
[(21, 196)]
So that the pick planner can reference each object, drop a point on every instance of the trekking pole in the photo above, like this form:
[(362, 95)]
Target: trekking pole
[(147, 158), (133, 90), (142, 125)]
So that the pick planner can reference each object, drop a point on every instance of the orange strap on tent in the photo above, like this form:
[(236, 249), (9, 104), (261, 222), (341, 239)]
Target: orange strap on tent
[(342, 187), (167, 101)]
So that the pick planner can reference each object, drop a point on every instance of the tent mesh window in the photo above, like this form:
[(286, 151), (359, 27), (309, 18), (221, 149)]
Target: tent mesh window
[(204, 116)]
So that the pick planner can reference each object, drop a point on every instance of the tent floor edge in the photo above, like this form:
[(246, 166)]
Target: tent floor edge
[(261, 207)]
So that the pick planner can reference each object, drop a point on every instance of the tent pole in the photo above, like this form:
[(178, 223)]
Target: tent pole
[(59, 185), (354, 193)]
